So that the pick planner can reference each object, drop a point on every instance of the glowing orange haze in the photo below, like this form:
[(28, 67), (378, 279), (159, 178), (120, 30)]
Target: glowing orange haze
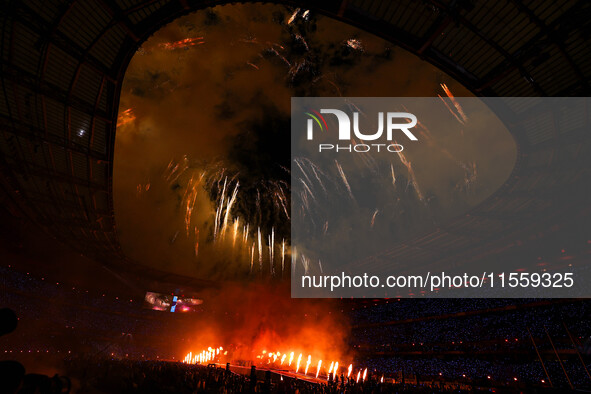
[(260, 324)]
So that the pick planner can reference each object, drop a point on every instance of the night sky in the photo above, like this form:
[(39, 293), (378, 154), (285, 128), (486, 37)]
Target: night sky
[(207, 102)]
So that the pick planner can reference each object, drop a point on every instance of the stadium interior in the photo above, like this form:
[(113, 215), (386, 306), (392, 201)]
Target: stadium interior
[(120, 273)]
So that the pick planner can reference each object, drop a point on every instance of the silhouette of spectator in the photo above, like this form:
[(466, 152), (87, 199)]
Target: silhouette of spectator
[(11, 376)]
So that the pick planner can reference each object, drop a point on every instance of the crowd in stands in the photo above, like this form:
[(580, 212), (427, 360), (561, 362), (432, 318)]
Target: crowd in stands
[(126, 376), (490, 342)]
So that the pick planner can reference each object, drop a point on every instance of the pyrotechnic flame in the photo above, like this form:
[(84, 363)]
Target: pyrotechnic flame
[(358, 375), (364, 374), (206, 355), (213, 354), (349, 370)]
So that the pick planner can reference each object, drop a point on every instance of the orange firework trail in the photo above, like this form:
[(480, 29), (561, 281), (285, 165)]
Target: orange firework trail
[(308, 364), (367, 160), (302, 40), (282, 256), (318, 368), (280, 56), (190, 198), (271, 268), (218, 212), (236, 222), (298, 363), (307, 190), (225, 226), (260, 250), (142, 188), (272, 247), (245, 233), (451, 110), (175, 170), (305, 263), (354, 44), (373, 218), (411, 174), (349, 370), (414, 182), (252, 257), (196, 242), (185, 43), (125, 117), (297, 161), (317, 170), (344, 178), (455, 103), (293, 16), (229, 204), (280, 196)]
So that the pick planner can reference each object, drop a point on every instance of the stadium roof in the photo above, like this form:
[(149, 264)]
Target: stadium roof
[(62, 64)]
